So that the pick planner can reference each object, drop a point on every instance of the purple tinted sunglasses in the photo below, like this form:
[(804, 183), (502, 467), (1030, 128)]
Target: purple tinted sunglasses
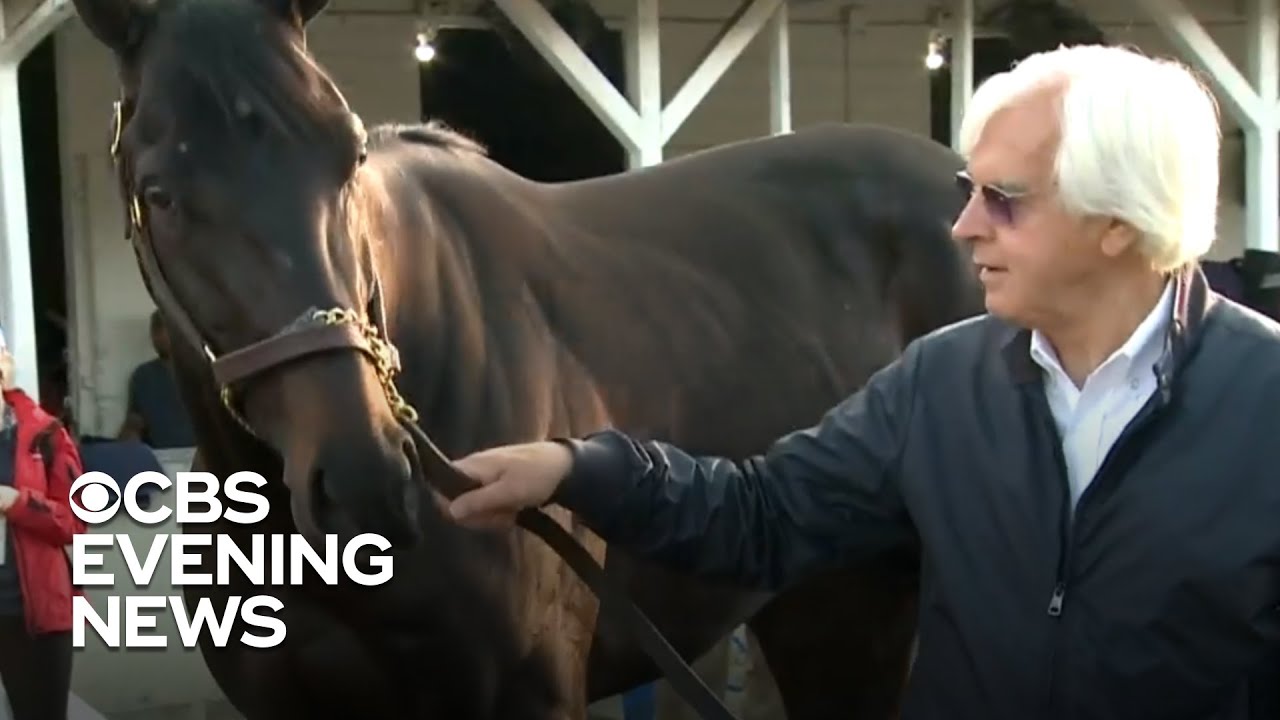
[(1000, 204)]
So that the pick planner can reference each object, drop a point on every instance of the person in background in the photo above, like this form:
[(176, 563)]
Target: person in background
[(156, 414), (38, 463)]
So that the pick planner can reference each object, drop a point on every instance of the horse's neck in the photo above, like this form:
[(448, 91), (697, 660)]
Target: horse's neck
[(481, 361)]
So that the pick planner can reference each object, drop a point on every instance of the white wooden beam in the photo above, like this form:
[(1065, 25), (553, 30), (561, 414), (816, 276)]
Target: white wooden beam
[(1252, 101), (780, 72), (17, 304), (644, 80), (572, 64), (1194, 44), (19, 42), (1262, 140), (961, 66), (744, 26)]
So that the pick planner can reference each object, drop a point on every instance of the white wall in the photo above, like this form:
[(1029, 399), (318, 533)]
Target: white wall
[(873, 74)]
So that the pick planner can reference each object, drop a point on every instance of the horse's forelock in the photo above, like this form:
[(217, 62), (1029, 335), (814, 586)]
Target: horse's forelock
[(233, 51)]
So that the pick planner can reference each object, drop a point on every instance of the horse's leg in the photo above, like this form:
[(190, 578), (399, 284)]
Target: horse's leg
[(712, 666), (838, 645)]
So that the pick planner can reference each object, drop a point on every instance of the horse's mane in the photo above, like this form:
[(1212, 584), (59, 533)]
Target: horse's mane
[(433, 133)]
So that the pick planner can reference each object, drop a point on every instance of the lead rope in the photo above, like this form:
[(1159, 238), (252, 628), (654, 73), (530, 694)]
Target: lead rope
[(614, 601)]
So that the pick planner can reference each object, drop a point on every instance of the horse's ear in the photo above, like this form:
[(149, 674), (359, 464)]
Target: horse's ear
[(113, 22), (301, 11)]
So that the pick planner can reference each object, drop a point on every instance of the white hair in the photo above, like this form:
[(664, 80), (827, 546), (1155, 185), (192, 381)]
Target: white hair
[(1140, 139)]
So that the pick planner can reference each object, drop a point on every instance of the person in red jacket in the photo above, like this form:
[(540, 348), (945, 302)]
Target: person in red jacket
[(36, 525)]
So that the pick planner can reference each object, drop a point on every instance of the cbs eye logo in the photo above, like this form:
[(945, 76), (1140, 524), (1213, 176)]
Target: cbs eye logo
[(91, 497)]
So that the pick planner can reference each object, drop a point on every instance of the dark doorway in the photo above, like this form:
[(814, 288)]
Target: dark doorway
[(516, 106), (991, 55), (38, 93)]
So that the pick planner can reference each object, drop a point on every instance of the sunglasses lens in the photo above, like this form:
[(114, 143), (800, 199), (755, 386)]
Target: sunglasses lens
[(999, 205)]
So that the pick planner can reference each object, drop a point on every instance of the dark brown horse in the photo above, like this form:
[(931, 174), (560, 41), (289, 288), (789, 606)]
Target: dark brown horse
[(717, 300)]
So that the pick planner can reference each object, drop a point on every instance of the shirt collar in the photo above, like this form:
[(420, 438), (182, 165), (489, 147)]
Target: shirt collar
[(1147, 338)]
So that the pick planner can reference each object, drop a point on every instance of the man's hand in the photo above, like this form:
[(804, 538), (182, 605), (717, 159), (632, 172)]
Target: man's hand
[(512, 478), (8, 496)]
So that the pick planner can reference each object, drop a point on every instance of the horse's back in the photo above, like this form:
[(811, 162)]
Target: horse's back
[(807, 258)]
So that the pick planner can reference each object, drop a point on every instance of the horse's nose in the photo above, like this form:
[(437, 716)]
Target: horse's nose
[(367, 487)]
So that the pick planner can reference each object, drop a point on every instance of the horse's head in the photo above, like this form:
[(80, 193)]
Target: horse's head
[(241, 164)]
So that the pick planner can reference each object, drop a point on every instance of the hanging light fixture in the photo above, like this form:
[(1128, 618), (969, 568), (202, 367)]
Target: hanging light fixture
[(935, 57), (424, 52)]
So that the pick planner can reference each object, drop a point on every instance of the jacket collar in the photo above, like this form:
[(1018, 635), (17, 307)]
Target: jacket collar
[(25, 409), (1192, 302)]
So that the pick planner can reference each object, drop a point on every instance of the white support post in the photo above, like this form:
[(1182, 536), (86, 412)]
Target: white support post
[(644, 80), (1262, 138), (1193, 43), (780, 72), (641, 123), (17, 305), (572, 64), (961, 66), (1252, 104), (745, 25)]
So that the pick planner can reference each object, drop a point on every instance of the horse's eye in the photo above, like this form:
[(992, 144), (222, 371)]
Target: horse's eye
[(157, 197)]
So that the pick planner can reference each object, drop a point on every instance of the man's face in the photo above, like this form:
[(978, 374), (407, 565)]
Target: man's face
[(160, 340), (1034, 258)]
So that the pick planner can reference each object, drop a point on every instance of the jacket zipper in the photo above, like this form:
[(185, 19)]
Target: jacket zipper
[(1066, 541), (1122, 447)]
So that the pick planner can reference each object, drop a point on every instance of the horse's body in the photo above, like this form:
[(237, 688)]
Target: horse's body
[(716, 301)]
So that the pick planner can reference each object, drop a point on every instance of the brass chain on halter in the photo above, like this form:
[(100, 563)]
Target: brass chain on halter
[(385, 356)]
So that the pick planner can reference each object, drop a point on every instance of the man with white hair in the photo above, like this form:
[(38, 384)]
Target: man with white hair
[(1090, 466)]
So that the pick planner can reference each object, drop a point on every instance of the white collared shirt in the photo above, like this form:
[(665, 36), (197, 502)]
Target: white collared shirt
[(1090, 418)]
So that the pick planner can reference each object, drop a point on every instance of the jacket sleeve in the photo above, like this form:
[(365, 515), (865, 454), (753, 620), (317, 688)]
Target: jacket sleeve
[(48, 515), (816, 498)]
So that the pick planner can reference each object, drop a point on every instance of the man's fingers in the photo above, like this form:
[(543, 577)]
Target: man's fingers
[(495, 497), (481, 467)]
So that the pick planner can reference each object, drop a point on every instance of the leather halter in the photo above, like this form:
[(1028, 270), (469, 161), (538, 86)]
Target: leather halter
[(316, 331)]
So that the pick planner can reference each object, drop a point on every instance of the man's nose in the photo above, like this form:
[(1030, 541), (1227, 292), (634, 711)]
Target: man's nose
[(971, 223)]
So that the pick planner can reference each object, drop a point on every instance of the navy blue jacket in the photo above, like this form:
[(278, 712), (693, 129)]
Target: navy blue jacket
[(1157, 601)]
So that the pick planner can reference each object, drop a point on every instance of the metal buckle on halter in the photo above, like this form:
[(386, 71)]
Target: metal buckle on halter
[(118, 130)]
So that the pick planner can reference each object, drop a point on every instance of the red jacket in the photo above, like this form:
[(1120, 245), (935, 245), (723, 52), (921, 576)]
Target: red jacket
[(40, 520)]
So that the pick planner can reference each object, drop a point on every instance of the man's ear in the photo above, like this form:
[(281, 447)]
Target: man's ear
[(301, 11), (1118, 237), (113, 22)]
